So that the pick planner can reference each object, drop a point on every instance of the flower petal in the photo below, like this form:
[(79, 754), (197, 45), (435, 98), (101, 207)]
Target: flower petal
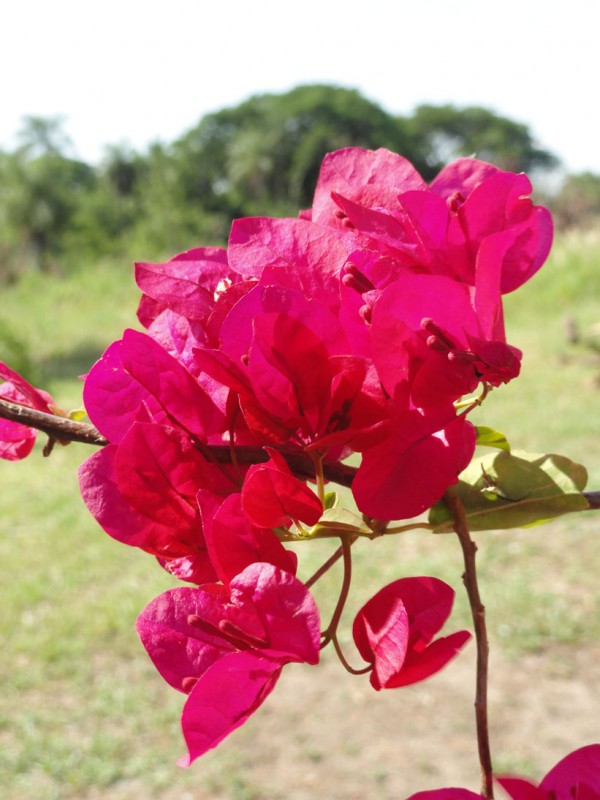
[(582, 766), (180, 650), (272, 496), (234, 543), (186, 284), (418, 666), (446, 794), (522, 789), (399, 479), (288, 611), (381, 632), (223, 699)]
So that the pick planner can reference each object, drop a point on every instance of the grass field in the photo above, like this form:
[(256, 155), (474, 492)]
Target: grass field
[(83, 713)]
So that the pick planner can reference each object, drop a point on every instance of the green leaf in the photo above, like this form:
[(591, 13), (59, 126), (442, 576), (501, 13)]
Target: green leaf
[(515, 490), (488, 437), (336, 519), (330, 499)]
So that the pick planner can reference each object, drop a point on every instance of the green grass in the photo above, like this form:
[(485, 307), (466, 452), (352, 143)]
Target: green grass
[(82, 709), (59, 327), (553, 406)]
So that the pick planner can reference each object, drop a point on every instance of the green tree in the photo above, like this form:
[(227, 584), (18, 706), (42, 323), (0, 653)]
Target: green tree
[(110, 206), (447, 132), (578, 200), (174, 214), (40, 189), (259, 157), (263, 156), (43, 136)]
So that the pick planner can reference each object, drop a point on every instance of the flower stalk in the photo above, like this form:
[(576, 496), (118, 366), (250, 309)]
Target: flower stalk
[(469, 550), (330, 633)]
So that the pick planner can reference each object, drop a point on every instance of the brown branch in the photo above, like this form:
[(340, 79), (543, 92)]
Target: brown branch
[(469, 549), (68, 430), (58, 428), (593, 499)]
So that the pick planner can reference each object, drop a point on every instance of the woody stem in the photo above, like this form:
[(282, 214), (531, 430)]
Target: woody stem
[(469, 550), (68, 430)]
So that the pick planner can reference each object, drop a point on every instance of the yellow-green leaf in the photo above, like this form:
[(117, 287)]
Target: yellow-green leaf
[(488, 437), (338, 520), (515, 490)]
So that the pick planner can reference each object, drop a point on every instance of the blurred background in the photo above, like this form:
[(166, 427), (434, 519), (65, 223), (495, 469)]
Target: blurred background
[(133, 130), (136, 128)]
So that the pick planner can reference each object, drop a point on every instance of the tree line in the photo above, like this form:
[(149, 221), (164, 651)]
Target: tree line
[(259, 157)]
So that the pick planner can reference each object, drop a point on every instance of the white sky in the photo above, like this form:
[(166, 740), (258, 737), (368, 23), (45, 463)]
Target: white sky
[(139, 71)]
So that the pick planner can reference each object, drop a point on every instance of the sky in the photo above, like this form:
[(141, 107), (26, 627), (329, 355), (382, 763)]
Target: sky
[(129, 72)]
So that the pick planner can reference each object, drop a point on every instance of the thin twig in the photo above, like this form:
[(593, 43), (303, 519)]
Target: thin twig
[(469, 549), (325, 567), (345, 663), (331, 630)]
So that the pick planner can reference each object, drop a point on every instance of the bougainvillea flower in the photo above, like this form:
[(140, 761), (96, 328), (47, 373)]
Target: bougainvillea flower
[(410, 463), (499, 204), (445, 794), (288, 360), (289, 252), (138, 380), (226, 649), (379, 201), (234, 543), (237, 330), (394, 632), (188, 284), (297, 382), (427, 333), (576, 777), (143, 492), (272, 496), (16, 440)]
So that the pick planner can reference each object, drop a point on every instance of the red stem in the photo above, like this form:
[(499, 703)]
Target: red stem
[(469, 549), (331, 631), (325, 567)]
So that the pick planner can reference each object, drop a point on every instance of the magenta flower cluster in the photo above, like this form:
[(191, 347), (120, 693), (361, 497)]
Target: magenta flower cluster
[(355, 328)]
